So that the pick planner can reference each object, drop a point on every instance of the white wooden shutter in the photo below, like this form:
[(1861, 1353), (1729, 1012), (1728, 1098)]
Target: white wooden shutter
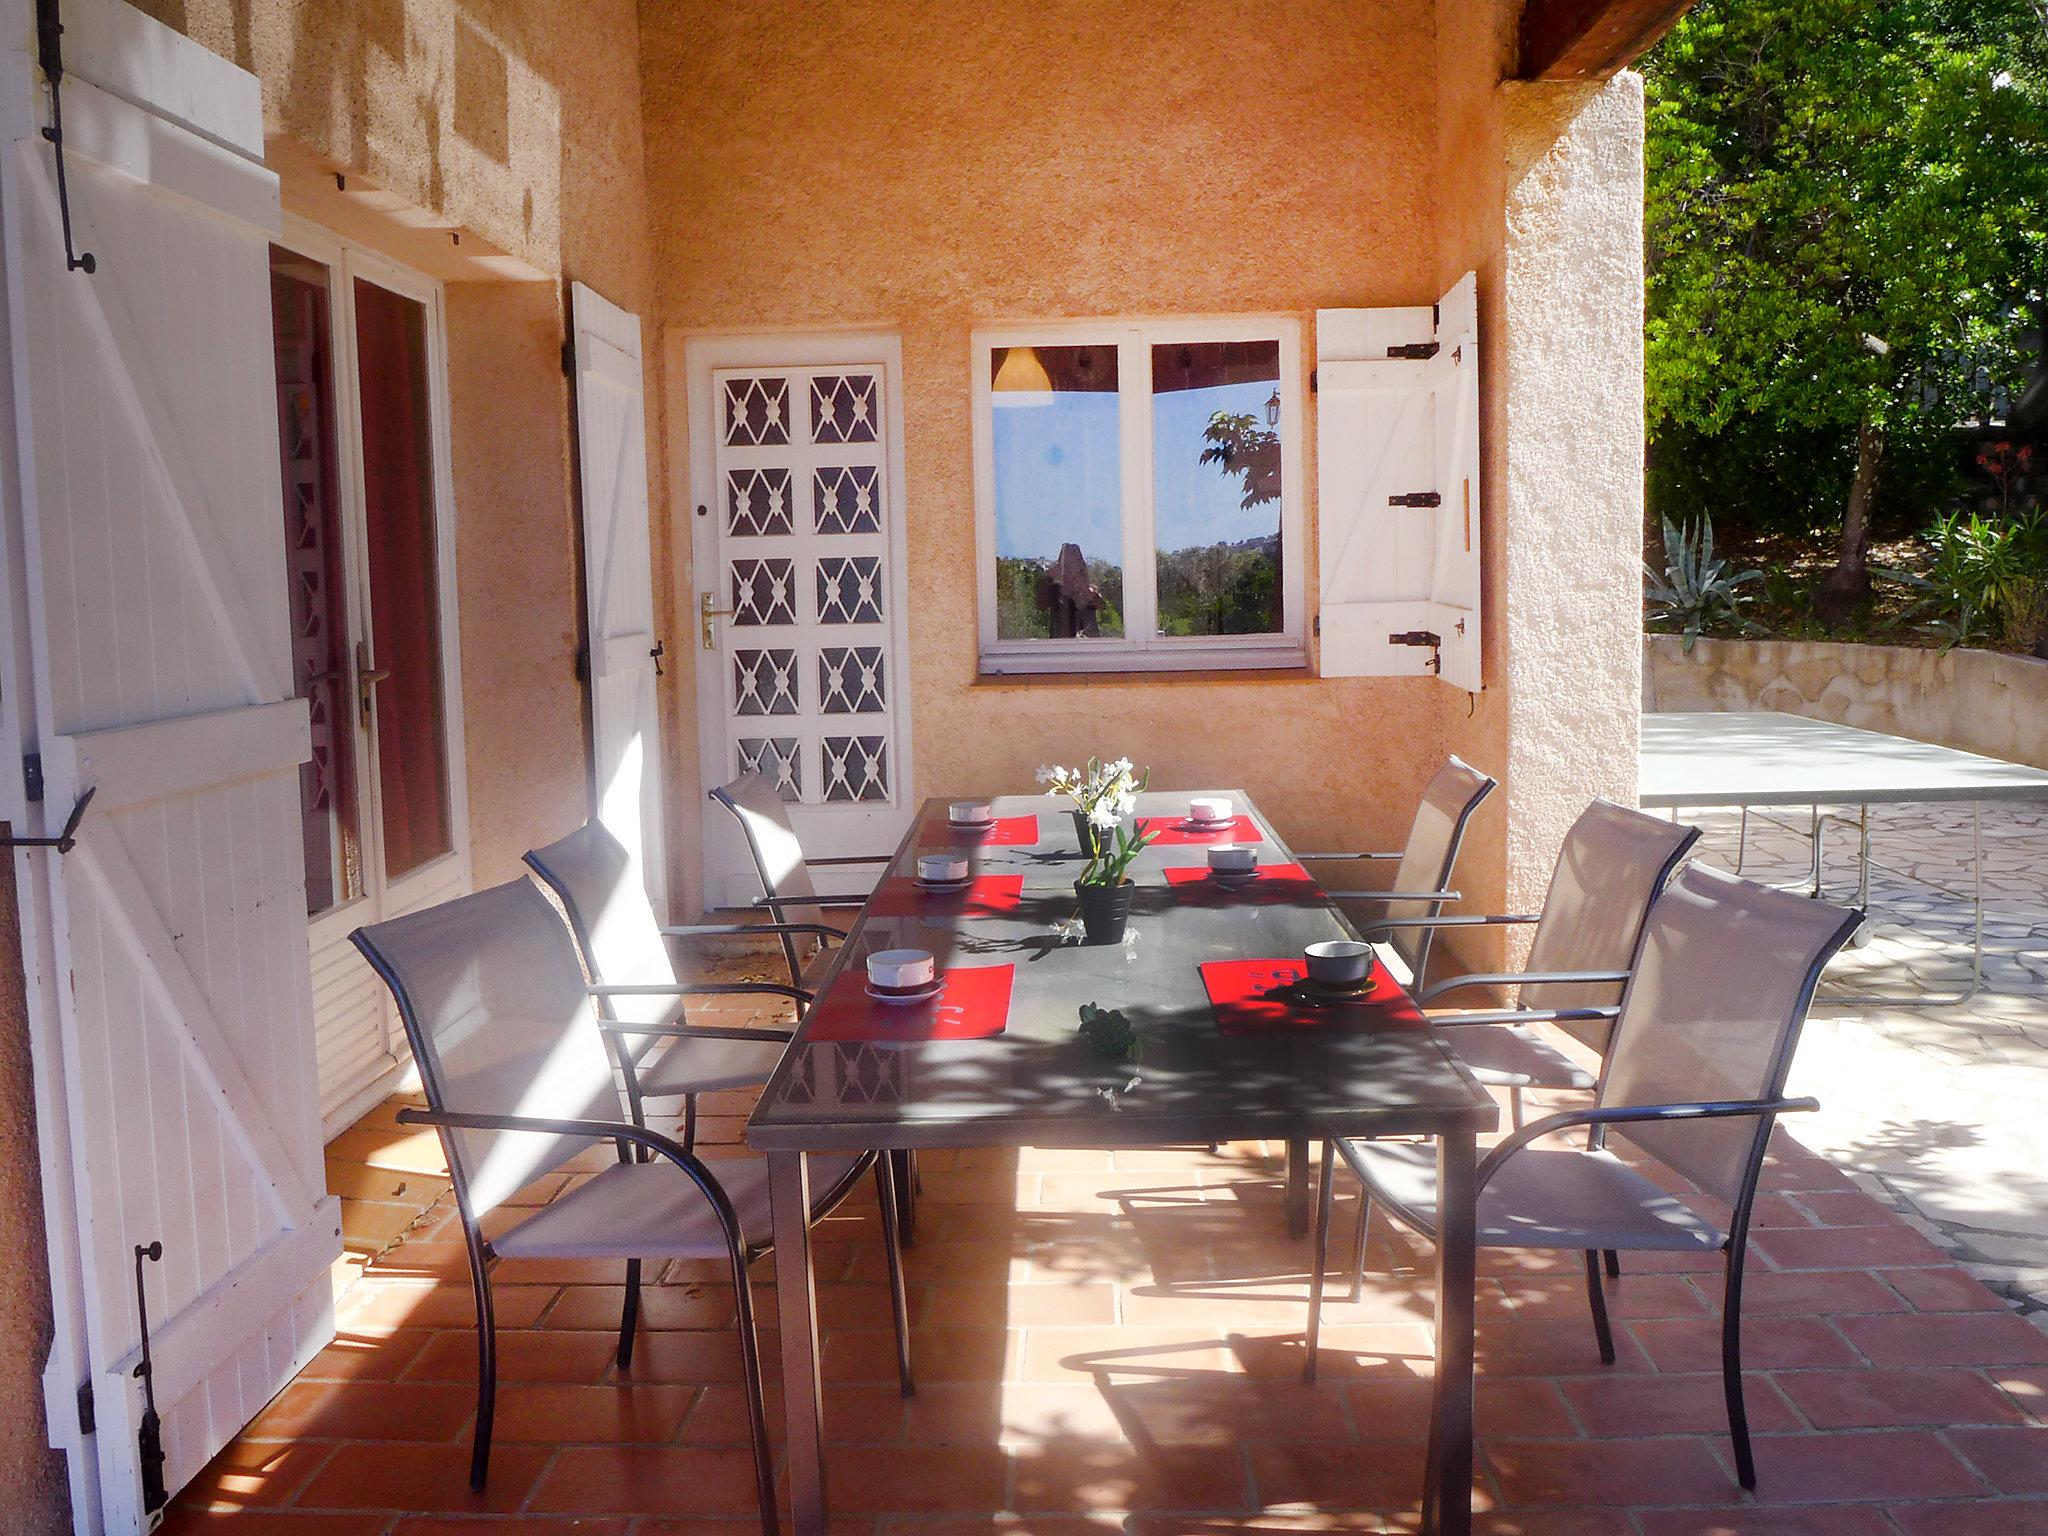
[(625, 712), (148, 657), (1398, 495)]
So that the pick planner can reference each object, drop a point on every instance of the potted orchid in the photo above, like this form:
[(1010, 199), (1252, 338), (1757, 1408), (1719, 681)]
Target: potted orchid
[(1105, 795)]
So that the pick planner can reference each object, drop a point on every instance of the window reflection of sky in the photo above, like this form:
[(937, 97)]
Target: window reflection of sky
[(1058, 473)]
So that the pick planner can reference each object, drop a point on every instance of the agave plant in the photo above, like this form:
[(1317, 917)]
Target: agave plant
[(1696, 591)]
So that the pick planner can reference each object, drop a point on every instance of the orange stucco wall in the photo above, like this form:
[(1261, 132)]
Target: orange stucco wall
[(885, 164)]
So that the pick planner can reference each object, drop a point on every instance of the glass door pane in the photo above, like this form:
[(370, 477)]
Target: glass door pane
[(300, 305), (413, 802)]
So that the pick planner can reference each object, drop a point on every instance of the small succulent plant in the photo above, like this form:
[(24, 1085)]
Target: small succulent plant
[(1108, 1033)]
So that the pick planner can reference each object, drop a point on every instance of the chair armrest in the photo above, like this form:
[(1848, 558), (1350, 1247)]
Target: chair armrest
[(1395, 895), (1626, 1114), (1528, 1016), (748, 930), (695, 1031), (1513, 979), (1331, 858), (850, 859), (703, 989), (775, 903), (595, 1130)]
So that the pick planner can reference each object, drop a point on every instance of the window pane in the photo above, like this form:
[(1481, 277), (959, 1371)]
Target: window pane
[(1059, 508), (405, 610), (1216, 487), (313, 565)]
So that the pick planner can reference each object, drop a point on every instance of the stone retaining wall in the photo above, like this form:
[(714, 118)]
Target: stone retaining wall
[(1980, 701)]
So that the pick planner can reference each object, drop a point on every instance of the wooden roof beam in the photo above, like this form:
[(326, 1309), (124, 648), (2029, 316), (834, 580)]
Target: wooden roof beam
[(1590, 39)]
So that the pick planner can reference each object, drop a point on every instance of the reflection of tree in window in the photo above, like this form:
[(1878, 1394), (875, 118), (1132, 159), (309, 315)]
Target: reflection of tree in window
[(1217, 487)]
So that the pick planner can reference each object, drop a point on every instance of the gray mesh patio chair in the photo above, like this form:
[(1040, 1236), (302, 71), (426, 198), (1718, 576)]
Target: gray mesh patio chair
[(1422, 875), (785, 872), (519, 1080), (1695, 1078), (626, 952)]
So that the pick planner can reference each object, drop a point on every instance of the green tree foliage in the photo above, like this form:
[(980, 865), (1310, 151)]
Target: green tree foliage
[(1844, 220)]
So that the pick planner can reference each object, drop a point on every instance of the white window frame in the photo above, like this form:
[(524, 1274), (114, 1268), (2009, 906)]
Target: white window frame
[(1139, 649)]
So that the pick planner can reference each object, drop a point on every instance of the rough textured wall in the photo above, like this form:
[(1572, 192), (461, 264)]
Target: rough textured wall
[(893, 165), (1980, 701), (517, 120), (38, 1500), (1568, 510)]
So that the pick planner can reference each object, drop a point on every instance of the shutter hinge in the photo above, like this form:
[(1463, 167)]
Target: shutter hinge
[(1313, 380), (87, 1424), (1316, 626), (1424, 637), (568, 357), (32, 777), (1416, 499), (1415, 351)]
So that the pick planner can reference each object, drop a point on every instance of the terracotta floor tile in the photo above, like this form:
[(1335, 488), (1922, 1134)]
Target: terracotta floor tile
[(1531, 1346), (1110, 1475), (1645, 1473), (594, 1308), (2015, 1460), (1942, 1290), (1897, 1246), (1839, 1520), (423, 1479), (648, 1480), (1660, 1404), (251, 1474), (375, 1308), (1632, 1296), (936, 1354), (522, 1356), (686, 1357), (994, 1305), (1768, 1343), (1228, 1411), (364, 1357), (1882, 1464), (422, 1259), (518, 1525), (184, 1521), (1988, 1517), (1086, 1354), (2026, 1386), (934, 1479), (562, 1414), (1957, 1338), (1382, 1475), (1868, 1399), (366, 1410), (1821, 1291)]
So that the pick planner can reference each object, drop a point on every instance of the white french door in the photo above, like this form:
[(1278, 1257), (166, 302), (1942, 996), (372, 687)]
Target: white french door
[(369, 541), (800, 603)]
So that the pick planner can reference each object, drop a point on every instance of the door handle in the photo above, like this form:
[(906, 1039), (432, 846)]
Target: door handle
[(707, 610), (367, 678)]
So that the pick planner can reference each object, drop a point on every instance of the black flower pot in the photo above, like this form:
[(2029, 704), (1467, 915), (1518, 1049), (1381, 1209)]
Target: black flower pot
[(1083, 833), (1105, 910)]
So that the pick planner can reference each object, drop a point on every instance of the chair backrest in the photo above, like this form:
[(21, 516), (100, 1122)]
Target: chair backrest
[(599, 885), (1448, 801), (1721, 987), (778, 856), (493, 1001), (1611, 866)]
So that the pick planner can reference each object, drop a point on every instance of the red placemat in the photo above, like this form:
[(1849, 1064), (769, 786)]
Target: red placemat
[(1239, 829), (1239, 993), (1273, 884), (1008, 832), (974, 1005), (984, 896)]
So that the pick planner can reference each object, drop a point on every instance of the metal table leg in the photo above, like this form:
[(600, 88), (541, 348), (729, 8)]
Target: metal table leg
[(1447, 1487), (1297, 1189), (789, 1193)]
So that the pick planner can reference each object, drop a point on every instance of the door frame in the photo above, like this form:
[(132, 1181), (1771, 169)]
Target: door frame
[(451, 873), (703, 357)]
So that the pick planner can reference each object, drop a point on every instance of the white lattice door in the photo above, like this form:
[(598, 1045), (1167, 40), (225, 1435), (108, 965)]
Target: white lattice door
[(149, 661), (800, 599)]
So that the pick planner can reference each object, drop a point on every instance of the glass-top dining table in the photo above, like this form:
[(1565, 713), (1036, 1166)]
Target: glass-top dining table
[(997, 1062)]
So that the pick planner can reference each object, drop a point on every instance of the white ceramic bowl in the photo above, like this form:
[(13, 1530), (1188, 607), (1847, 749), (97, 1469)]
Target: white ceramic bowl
[(901, 968), (969, 813), (1233, 859), (1338, 962), (939, 868), (1209, 808)]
